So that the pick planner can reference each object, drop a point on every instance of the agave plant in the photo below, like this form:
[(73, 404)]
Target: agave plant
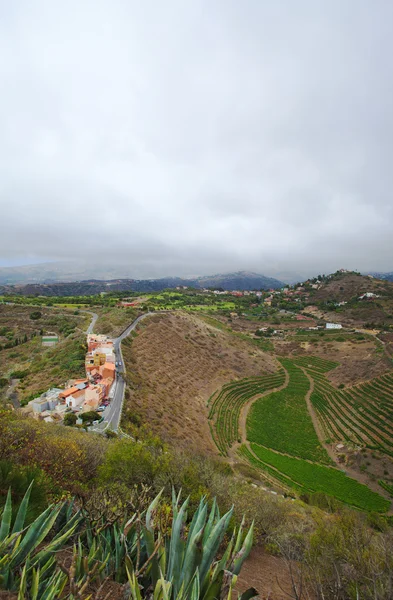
[(180, 565), (24, 562), (184, 566)]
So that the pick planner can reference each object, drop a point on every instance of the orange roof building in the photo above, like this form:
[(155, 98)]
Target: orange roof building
[(108, 371), (68, 392)]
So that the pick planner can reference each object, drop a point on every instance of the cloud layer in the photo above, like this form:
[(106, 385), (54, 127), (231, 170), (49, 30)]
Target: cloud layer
[(190, 137)]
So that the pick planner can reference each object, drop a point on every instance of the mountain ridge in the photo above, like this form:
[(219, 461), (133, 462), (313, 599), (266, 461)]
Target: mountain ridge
[(240, 280)]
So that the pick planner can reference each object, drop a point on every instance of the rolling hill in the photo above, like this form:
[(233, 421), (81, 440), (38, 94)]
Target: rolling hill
[(241, 280)]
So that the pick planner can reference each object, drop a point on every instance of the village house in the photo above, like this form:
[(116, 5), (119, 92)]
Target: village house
[(368, 296), (47, 401), (333, 326), (93, 397)]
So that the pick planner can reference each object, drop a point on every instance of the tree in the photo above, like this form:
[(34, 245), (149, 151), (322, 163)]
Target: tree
[(70, 419), (90, 415)]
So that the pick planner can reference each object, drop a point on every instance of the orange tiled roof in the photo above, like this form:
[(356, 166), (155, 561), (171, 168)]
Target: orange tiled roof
[(109, 365), (68, 392)]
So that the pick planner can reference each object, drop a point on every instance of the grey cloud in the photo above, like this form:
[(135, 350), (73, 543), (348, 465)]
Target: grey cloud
[(185, 138)]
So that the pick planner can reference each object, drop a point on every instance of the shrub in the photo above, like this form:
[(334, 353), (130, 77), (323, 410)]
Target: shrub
[(70, 419), (19, 374), (35, 315), (89, 416)]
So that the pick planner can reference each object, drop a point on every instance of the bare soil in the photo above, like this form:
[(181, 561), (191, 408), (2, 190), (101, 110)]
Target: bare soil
[(266, 573), (359, 360)]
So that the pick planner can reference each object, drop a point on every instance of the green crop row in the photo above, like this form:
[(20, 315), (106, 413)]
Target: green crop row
[(273, 475), (225, 406), (281, 420), (320, 478), (386, 486), (314, 362)]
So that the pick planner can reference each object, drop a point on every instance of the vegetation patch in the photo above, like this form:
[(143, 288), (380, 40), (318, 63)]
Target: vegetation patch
[(281, 420), (319, 478), (225, 406)]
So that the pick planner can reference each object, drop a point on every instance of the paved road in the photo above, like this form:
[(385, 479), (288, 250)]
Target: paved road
[(92, 322), (112, 413)]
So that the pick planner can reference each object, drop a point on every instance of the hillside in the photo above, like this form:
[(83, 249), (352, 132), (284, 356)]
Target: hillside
[(242, 280), (174, 364), (387, 276), (339, 298), (23, 358)]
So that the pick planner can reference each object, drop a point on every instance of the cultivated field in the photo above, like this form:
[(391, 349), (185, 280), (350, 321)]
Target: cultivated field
[(285, 440), (226, 405), (281, 420), (305, 476)]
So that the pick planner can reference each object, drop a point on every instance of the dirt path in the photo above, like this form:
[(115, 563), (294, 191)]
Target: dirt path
[(314, 418), (11, 395), (243, 418), (360, 477)]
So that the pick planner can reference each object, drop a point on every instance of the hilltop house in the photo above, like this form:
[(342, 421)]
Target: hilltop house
[(368, 296)]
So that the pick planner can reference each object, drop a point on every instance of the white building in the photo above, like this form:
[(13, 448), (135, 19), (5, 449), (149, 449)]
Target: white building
[(47, 401), (333, 326), (368, 295)]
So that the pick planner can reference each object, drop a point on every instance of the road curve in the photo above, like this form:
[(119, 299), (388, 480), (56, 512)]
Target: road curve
[(92, 322), (112, 413)]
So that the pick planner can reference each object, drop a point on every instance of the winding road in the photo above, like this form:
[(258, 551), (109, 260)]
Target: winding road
[(112, 413)]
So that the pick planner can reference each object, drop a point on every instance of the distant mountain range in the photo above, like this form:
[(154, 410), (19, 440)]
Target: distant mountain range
[(241, 280), (386, 276)]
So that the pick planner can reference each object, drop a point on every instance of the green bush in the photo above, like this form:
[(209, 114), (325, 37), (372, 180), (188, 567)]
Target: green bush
[(70, 419), (19, 374), (89, 416), (35, 315)]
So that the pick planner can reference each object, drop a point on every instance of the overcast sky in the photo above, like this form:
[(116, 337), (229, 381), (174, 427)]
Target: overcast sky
[(190, 137)]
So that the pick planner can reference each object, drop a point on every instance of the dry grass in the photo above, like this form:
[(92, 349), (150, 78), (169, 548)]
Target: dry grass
[(174, 365), (359, 360), (112, 321)]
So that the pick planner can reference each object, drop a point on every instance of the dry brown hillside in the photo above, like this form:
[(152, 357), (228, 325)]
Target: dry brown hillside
[(359, 360), (347, 286), (174, 364)]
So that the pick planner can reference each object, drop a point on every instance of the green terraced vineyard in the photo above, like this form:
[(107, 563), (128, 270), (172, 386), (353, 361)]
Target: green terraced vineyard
[(281, 435), (297, 473), (362, 413), (281, 420), (387, 487), (314, 362), (225, 406)]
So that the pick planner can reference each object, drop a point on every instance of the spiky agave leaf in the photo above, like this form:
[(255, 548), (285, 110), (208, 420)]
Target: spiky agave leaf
[(240, 557), (21, 515), (211, 546), (6, 517)]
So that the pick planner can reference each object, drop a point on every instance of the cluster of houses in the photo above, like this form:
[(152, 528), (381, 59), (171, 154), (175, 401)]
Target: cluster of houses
[(81, 395)]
